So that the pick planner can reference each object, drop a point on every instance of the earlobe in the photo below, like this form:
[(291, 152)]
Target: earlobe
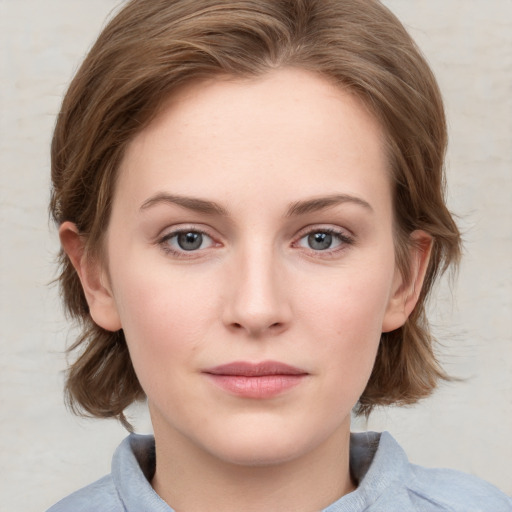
[(93, 278), (405, 294)]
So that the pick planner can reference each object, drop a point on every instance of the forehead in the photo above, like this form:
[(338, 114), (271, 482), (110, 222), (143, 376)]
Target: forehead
[(286, 132)]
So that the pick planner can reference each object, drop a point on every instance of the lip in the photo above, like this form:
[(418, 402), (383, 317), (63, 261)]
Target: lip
[(256, 380)]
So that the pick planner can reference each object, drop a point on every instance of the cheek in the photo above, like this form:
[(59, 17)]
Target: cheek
[(164, 317), (344, 315), (350, 303)]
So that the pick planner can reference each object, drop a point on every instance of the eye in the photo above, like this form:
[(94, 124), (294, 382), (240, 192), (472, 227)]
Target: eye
[(324, 240), (190, 241), (320, 241), (186, 241)]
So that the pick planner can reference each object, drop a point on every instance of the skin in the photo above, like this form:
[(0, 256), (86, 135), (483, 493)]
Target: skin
[(267, 152)]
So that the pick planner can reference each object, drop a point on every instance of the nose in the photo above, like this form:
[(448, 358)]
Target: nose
[(258, 303)]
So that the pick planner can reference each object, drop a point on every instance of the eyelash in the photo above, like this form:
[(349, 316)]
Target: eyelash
[(342, 237), (344, 240)]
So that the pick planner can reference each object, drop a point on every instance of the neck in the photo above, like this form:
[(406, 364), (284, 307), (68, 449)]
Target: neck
[(190, 479)]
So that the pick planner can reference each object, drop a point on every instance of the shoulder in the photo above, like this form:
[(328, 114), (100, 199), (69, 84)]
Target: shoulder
[(127, 487), (388, 481), (100, 495), (455, 491)]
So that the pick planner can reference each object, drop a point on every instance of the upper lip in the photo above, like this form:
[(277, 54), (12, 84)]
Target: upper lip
[(248, 369)]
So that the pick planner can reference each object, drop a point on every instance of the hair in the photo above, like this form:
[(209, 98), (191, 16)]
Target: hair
[(149, 50)]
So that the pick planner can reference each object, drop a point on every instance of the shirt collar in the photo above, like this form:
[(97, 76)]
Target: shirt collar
[(378, 464)]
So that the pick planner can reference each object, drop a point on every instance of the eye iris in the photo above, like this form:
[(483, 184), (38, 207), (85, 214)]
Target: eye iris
[(320, 241), (190, 241)]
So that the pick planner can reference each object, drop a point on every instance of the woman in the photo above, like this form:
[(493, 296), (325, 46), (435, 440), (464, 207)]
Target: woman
[(250, 204)]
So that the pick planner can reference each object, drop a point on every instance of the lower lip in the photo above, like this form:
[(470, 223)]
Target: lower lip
[(263, 386)]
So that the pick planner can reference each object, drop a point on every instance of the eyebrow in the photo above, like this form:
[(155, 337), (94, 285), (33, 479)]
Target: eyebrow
[(322, 203), (295, 209), (191, 203)]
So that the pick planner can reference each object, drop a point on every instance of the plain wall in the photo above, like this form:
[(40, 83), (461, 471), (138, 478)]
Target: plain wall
[(46, 453)]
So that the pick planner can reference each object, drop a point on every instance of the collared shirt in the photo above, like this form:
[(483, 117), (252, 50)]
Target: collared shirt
[(387, 482)]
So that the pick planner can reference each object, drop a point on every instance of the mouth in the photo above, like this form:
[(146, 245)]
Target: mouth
[(256, 380)]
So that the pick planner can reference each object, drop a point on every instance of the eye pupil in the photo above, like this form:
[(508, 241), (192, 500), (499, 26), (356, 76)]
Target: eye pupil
[(190, 241), (320, 241)]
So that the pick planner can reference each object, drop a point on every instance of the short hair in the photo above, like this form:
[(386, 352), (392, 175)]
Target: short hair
[(152, 48)]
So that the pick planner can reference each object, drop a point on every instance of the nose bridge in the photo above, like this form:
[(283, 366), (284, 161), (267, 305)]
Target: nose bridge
[(258, 301)]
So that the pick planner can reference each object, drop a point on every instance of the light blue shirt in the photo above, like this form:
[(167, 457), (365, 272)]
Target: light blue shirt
[(387, 482)]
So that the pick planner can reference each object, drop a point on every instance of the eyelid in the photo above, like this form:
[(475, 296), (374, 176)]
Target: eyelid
[(325, 228)]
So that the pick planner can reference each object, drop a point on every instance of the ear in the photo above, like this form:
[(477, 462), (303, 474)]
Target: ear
[(405, 294), (93, 277)]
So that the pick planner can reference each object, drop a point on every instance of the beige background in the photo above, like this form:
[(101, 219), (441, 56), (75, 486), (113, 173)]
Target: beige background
[(45, 453)]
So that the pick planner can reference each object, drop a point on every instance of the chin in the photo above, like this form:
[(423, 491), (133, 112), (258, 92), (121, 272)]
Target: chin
[(264, 446), (258, 454)]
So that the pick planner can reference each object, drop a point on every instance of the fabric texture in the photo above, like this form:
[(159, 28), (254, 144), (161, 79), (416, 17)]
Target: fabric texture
[(387, 482)]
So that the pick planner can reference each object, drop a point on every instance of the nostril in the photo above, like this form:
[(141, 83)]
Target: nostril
[(276, 326)]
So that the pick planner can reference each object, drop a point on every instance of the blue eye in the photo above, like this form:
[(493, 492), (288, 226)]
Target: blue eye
[(186, 241), (189, 241), (324, 240), (320, 241)]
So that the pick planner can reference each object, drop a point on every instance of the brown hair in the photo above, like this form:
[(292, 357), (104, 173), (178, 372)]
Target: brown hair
[(149, 49)]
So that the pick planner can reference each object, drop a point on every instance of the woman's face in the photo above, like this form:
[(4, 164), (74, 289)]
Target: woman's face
[(250, 264)]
